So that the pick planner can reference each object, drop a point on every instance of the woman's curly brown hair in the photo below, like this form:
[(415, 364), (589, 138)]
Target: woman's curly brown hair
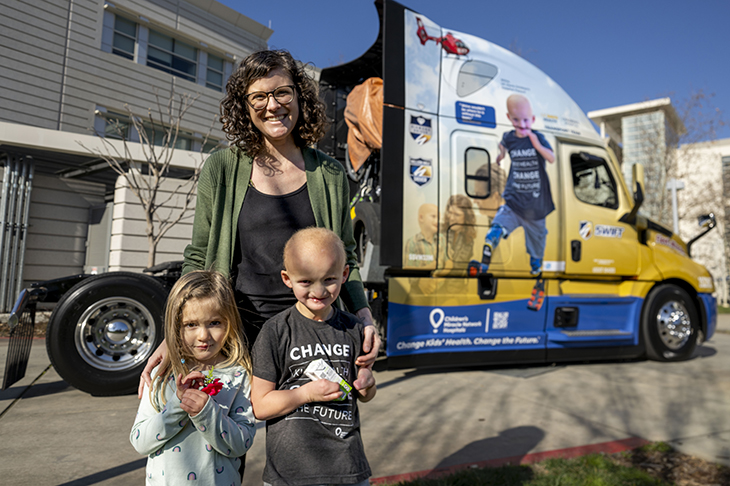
[(312, 122)]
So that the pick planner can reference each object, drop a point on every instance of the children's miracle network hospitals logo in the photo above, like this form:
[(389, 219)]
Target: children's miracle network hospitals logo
[(420, 129), (420, 171)]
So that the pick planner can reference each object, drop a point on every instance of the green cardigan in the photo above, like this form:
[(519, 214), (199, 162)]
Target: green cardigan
[(222, 187)]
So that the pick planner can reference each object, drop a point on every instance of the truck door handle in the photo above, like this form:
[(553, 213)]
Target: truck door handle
[(575, 250)]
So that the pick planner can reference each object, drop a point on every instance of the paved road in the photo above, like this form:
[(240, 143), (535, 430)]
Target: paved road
[(56, 435)]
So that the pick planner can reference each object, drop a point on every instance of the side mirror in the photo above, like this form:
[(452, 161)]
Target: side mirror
[(706, 222), (637, 174)]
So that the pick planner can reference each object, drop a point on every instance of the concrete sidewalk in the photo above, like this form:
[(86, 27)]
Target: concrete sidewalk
[(420, 420)]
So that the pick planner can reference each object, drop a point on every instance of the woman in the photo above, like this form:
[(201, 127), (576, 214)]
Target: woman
[(270, 183)]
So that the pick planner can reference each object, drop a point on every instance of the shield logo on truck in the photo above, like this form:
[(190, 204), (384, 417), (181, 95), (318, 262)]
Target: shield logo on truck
[(586, 230), (420, 129), (420, 171)]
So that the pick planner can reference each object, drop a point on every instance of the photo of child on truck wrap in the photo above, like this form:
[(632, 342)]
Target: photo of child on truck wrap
[(527, 196), (421, 250)]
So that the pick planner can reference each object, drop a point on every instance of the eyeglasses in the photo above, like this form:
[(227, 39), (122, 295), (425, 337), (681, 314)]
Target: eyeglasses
[(259, 99)]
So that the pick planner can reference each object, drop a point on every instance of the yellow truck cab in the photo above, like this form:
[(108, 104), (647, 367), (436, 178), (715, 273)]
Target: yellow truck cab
[(611, 282)]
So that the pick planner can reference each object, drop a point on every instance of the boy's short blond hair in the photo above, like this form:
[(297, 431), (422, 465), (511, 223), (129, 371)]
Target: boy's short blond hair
[(312, 240)]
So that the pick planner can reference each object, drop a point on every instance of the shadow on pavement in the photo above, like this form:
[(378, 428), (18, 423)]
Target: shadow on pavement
[(44, 389), (521, 371), (704, 351), (514, 443), (108, 474)]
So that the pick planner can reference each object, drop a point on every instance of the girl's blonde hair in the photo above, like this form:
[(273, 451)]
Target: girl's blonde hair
[(200, 284)]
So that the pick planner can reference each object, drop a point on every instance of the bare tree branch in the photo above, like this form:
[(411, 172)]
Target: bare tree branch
[(158, 133)]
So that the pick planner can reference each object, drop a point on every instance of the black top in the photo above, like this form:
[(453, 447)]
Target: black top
[(264, 226), (319, 442)]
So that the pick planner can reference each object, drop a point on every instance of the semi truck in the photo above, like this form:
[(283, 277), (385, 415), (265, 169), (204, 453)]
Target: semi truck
[(417, 121)]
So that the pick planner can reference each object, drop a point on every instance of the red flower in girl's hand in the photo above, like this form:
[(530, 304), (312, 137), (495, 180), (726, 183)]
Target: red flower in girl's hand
[(213, 387)]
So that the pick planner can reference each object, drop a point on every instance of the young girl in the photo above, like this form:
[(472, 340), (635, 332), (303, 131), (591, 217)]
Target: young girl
[(189, 433)]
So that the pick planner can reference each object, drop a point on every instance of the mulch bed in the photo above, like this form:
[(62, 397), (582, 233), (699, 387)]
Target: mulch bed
[(675, 468), (41, 321)]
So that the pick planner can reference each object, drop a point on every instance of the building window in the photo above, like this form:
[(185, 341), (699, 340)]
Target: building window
[(116, 126), (172, 56), (125, 37), (214, 76), (137, 42), (184, 140)]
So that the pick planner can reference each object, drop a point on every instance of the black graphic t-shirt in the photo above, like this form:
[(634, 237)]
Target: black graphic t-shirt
[(318, 443), (527, 191)]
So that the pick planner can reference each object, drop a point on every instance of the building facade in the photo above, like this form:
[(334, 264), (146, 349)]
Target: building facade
[(647, 133), (74, 70), (644, 132)]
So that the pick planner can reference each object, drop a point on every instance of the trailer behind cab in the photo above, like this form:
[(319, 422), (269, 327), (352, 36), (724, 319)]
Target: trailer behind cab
[(614, 283)]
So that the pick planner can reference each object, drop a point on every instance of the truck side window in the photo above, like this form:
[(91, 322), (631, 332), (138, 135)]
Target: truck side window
[(477, 165), (592, 181)]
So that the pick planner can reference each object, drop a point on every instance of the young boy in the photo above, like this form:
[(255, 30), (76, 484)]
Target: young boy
[(421, 249), (527, 194), (312, 427)]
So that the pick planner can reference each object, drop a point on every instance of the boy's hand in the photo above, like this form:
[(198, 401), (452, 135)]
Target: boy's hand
[(533, 138), (193, 401), (321, 391), (193, 380), (365, 379)]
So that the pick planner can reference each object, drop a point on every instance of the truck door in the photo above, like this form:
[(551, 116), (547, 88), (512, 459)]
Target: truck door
[(593, 200)]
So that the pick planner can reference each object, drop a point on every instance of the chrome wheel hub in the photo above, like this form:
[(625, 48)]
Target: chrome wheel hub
[(674, 325), (115, 334)]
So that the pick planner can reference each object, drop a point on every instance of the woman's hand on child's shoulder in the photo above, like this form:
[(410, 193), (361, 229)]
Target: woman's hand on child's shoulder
[(321, 391)]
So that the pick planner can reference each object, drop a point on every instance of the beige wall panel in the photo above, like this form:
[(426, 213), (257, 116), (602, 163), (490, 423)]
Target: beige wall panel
[(135, 212), (34, 46), (42, 89), (13, 23), (17, 61), (90, 192), (57, 258), (55, 243), (15, 112), (165, 194), (39, 273), (130, 261), (182, 230), (53, 228), (138, 243), (59, 213), (48, 9)]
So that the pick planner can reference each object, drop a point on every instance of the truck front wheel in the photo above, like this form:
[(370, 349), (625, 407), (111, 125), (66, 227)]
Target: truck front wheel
[(103, 330), (670, 324)]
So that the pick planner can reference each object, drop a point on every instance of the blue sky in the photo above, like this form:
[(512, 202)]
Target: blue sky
[(603, 54)]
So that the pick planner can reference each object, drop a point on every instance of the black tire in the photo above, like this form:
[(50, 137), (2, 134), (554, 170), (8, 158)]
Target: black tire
[(366, 227), (670, 324), (104, 329)]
